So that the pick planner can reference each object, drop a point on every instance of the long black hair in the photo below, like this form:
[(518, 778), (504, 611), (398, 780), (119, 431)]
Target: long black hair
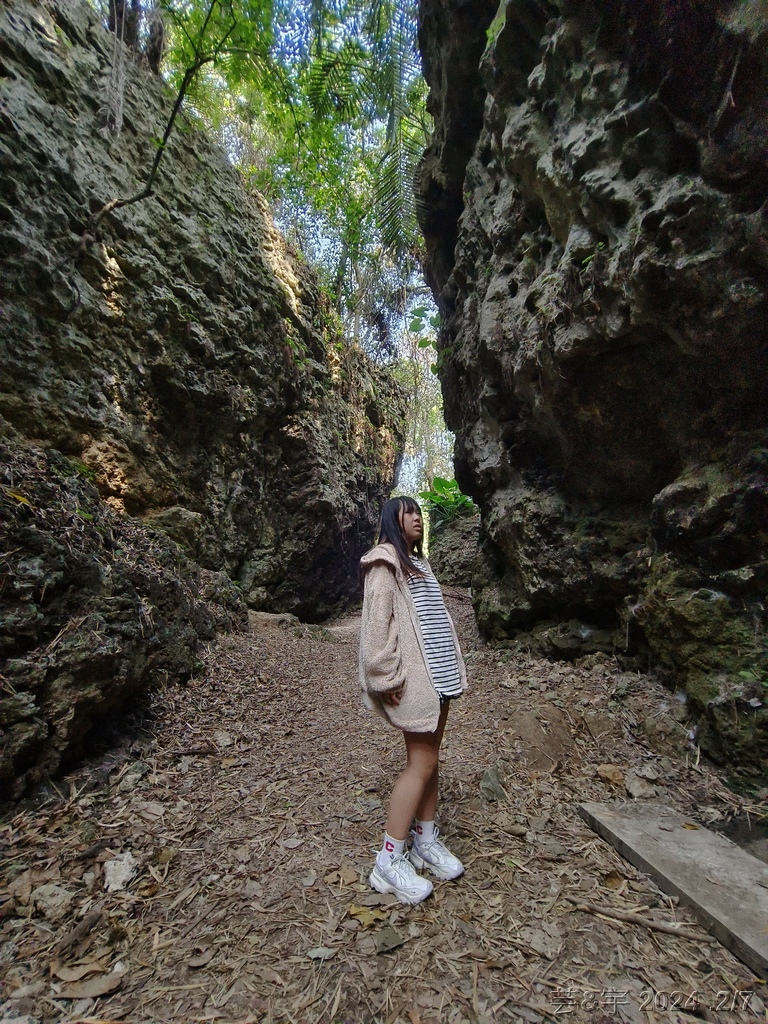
[(391, 532)]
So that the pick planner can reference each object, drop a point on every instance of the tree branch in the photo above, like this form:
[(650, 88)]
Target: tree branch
[(201, 59)]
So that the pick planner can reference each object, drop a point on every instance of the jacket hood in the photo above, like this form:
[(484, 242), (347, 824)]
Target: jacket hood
[(384, 553), (380, 553)]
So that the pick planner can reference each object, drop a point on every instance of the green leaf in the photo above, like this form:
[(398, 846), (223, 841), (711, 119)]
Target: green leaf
[(445, 502)]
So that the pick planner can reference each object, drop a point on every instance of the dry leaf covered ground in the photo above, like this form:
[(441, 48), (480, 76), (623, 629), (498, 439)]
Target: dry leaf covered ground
[(214, 866)]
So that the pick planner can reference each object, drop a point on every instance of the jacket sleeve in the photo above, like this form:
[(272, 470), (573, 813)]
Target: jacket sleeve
[(381, 669)]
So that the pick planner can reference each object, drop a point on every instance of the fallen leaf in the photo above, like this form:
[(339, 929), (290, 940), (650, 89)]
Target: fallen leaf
[(344, 875), (388, 939), (690, 825), (203, 957), (92, 988), (292, 844), (77, 972), (322, 953), (367, 916), (18, 497), (491, 787)]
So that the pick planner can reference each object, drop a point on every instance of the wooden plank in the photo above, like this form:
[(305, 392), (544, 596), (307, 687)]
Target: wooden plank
[(726, 887)]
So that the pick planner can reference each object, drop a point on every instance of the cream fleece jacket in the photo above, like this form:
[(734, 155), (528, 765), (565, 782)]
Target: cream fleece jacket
[(392, 651)]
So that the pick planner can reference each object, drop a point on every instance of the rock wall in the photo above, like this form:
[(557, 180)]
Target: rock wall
[(604, 356), (177, 377), (96, 609), (453, 551), (186, 356)]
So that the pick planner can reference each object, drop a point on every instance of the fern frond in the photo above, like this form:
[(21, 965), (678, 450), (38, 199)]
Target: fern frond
[(338, 84)]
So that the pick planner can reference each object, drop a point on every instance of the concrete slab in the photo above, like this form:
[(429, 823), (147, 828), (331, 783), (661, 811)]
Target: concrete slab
[(726, 887)]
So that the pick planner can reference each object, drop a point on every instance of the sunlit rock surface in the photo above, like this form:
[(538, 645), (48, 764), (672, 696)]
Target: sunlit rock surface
[(182, 359), (599, 253)]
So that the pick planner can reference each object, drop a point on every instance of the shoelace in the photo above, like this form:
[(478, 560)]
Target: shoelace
[(435, 845), (434, 849), (401, 863)]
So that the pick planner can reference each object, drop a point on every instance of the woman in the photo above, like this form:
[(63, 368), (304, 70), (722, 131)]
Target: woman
[(410, 668)]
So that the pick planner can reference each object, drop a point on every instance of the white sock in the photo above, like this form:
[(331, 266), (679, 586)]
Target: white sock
[(391, 848), (425, 832)]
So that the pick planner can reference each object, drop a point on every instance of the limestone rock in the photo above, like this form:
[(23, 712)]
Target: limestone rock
[(638, 787), (119, 870), (52, 901), (260, 621), (598, 257), (453, 550), (108, 608), (186, 355), (177, 408)]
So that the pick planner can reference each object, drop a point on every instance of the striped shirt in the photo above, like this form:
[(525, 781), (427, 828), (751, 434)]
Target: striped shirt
[(436, 631)]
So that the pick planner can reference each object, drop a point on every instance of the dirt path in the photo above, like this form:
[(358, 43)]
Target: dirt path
[(214, 869)]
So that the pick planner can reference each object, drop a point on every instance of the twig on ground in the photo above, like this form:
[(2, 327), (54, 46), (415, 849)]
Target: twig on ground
[(624, 915)]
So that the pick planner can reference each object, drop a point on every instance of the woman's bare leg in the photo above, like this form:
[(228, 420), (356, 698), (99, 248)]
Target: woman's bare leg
[(414, 794)]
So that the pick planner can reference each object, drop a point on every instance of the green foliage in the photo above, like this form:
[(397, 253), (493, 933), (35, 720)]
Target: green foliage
[(83, 470), (598, 250), (321, 104), (445, 502), (429, 445), (419, 320), (322, 107), (753, 676), (496, 27)]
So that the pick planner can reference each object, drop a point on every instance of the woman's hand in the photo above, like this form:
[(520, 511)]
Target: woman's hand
[(393, 697)]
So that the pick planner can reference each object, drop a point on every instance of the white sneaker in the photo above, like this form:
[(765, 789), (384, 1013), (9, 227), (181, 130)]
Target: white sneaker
[(400, 878), (436, 856)]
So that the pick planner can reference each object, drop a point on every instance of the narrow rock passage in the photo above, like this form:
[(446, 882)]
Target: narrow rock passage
[(215, 868)]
